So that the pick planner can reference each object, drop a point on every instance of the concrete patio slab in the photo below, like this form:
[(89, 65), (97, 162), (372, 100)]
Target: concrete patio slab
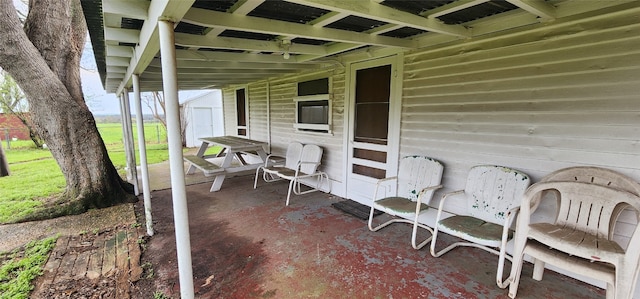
[(247, 244)]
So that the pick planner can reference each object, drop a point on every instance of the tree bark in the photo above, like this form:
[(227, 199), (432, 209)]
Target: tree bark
[(4, 166), (44, 59)]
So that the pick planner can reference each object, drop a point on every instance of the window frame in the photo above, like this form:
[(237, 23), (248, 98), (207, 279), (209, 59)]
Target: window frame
[(238, 126), (309, 127)]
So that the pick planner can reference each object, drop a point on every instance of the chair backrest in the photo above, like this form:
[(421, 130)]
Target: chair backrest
[(294, 152), (311, 155), (589, 207), (416, 173), (493, 190), (592, 176)]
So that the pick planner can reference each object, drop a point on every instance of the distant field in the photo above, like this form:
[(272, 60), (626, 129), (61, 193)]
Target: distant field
[(35, 174)]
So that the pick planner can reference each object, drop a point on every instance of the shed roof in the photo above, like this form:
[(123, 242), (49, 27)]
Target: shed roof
[(225, 42)]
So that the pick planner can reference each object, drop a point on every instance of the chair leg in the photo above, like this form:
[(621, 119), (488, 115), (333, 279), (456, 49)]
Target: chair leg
[(255, 181), (538, 269), (432, 248), (289, 192), (625, 280), (516, 270), (503, 255), (415, 233)]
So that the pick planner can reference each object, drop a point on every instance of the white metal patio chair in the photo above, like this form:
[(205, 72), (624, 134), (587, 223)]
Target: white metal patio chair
[(589, 201), (492, 196), (418, 178), (291, 160), (305, 172)]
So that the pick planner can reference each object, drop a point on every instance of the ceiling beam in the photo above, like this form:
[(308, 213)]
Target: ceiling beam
[(238, 65), (121, 35), (372, 10), (149, 42), (207, 71), (117, 61), (537, 7), (451, 8), (126, 8), (199, 41), (239, 57), (208, 18), (328, 18), (119, 51)]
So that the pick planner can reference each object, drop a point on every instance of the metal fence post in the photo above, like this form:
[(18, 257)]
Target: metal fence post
[(6, 136)]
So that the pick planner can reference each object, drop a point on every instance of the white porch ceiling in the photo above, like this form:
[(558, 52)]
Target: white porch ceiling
[(224, 42)]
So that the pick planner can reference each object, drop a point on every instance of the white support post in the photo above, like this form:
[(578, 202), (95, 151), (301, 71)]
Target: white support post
[(176, 164), (125, 139), (131, 151), (142, 148)]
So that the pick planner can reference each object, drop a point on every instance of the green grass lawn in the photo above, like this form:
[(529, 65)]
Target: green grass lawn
[(19, 268), (35, 175)]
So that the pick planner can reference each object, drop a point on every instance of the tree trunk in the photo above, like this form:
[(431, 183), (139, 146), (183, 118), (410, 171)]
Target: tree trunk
[(4, 166), (44, 59)]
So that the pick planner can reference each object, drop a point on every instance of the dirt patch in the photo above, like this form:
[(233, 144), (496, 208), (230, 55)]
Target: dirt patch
[(227, 266), (16, 235)]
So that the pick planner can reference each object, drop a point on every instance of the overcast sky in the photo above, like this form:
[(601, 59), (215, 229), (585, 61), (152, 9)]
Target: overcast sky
[(99, 101)]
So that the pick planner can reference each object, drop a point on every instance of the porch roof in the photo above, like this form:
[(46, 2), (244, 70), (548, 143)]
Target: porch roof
[(226, 42)]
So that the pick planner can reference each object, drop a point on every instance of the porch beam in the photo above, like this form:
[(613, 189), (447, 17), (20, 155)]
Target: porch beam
[(193, 64), (121, 35), (536, 7), (148, 41), (232, 43), (372, 10), (116, 69), (208, 18), (126, 8), (158, 76), (451, 8), (117, 61), (337, 48), (119, 51), (238, 57), (218, 71), (328, 18), (241, 7)]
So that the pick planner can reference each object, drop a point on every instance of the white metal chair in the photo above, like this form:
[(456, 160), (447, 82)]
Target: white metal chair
[(418, 178), (291, 160), (589, 201), (492, 196), (306, 172)]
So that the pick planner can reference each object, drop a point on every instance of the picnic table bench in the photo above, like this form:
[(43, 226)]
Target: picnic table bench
[(208, 168)]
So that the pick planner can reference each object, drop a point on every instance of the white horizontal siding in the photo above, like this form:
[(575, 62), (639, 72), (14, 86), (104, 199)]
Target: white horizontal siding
[(534, 105), (229, 111), (556, 96), (273, 101)]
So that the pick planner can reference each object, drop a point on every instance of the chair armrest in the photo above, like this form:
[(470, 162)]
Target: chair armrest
[(444, 198), (266, 160), (375, 193), (304, 162), (425, 190), (512, 213), (422, 192)]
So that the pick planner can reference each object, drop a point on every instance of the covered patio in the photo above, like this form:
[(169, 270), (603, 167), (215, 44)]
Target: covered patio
[(247, 244), (532, 85)]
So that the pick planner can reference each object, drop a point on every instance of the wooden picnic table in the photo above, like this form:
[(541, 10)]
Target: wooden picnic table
[(232, 147)]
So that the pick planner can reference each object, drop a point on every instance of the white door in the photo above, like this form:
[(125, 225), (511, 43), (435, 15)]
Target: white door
[(202, 120), (374, 125)]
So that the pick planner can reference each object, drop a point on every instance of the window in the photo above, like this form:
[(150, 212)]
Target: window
[(313, 106), (241, 112)]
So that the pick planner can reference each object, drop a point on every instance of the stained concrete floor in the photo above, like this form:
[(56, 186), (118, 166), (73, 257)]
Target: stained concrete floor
[(247, 244)]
